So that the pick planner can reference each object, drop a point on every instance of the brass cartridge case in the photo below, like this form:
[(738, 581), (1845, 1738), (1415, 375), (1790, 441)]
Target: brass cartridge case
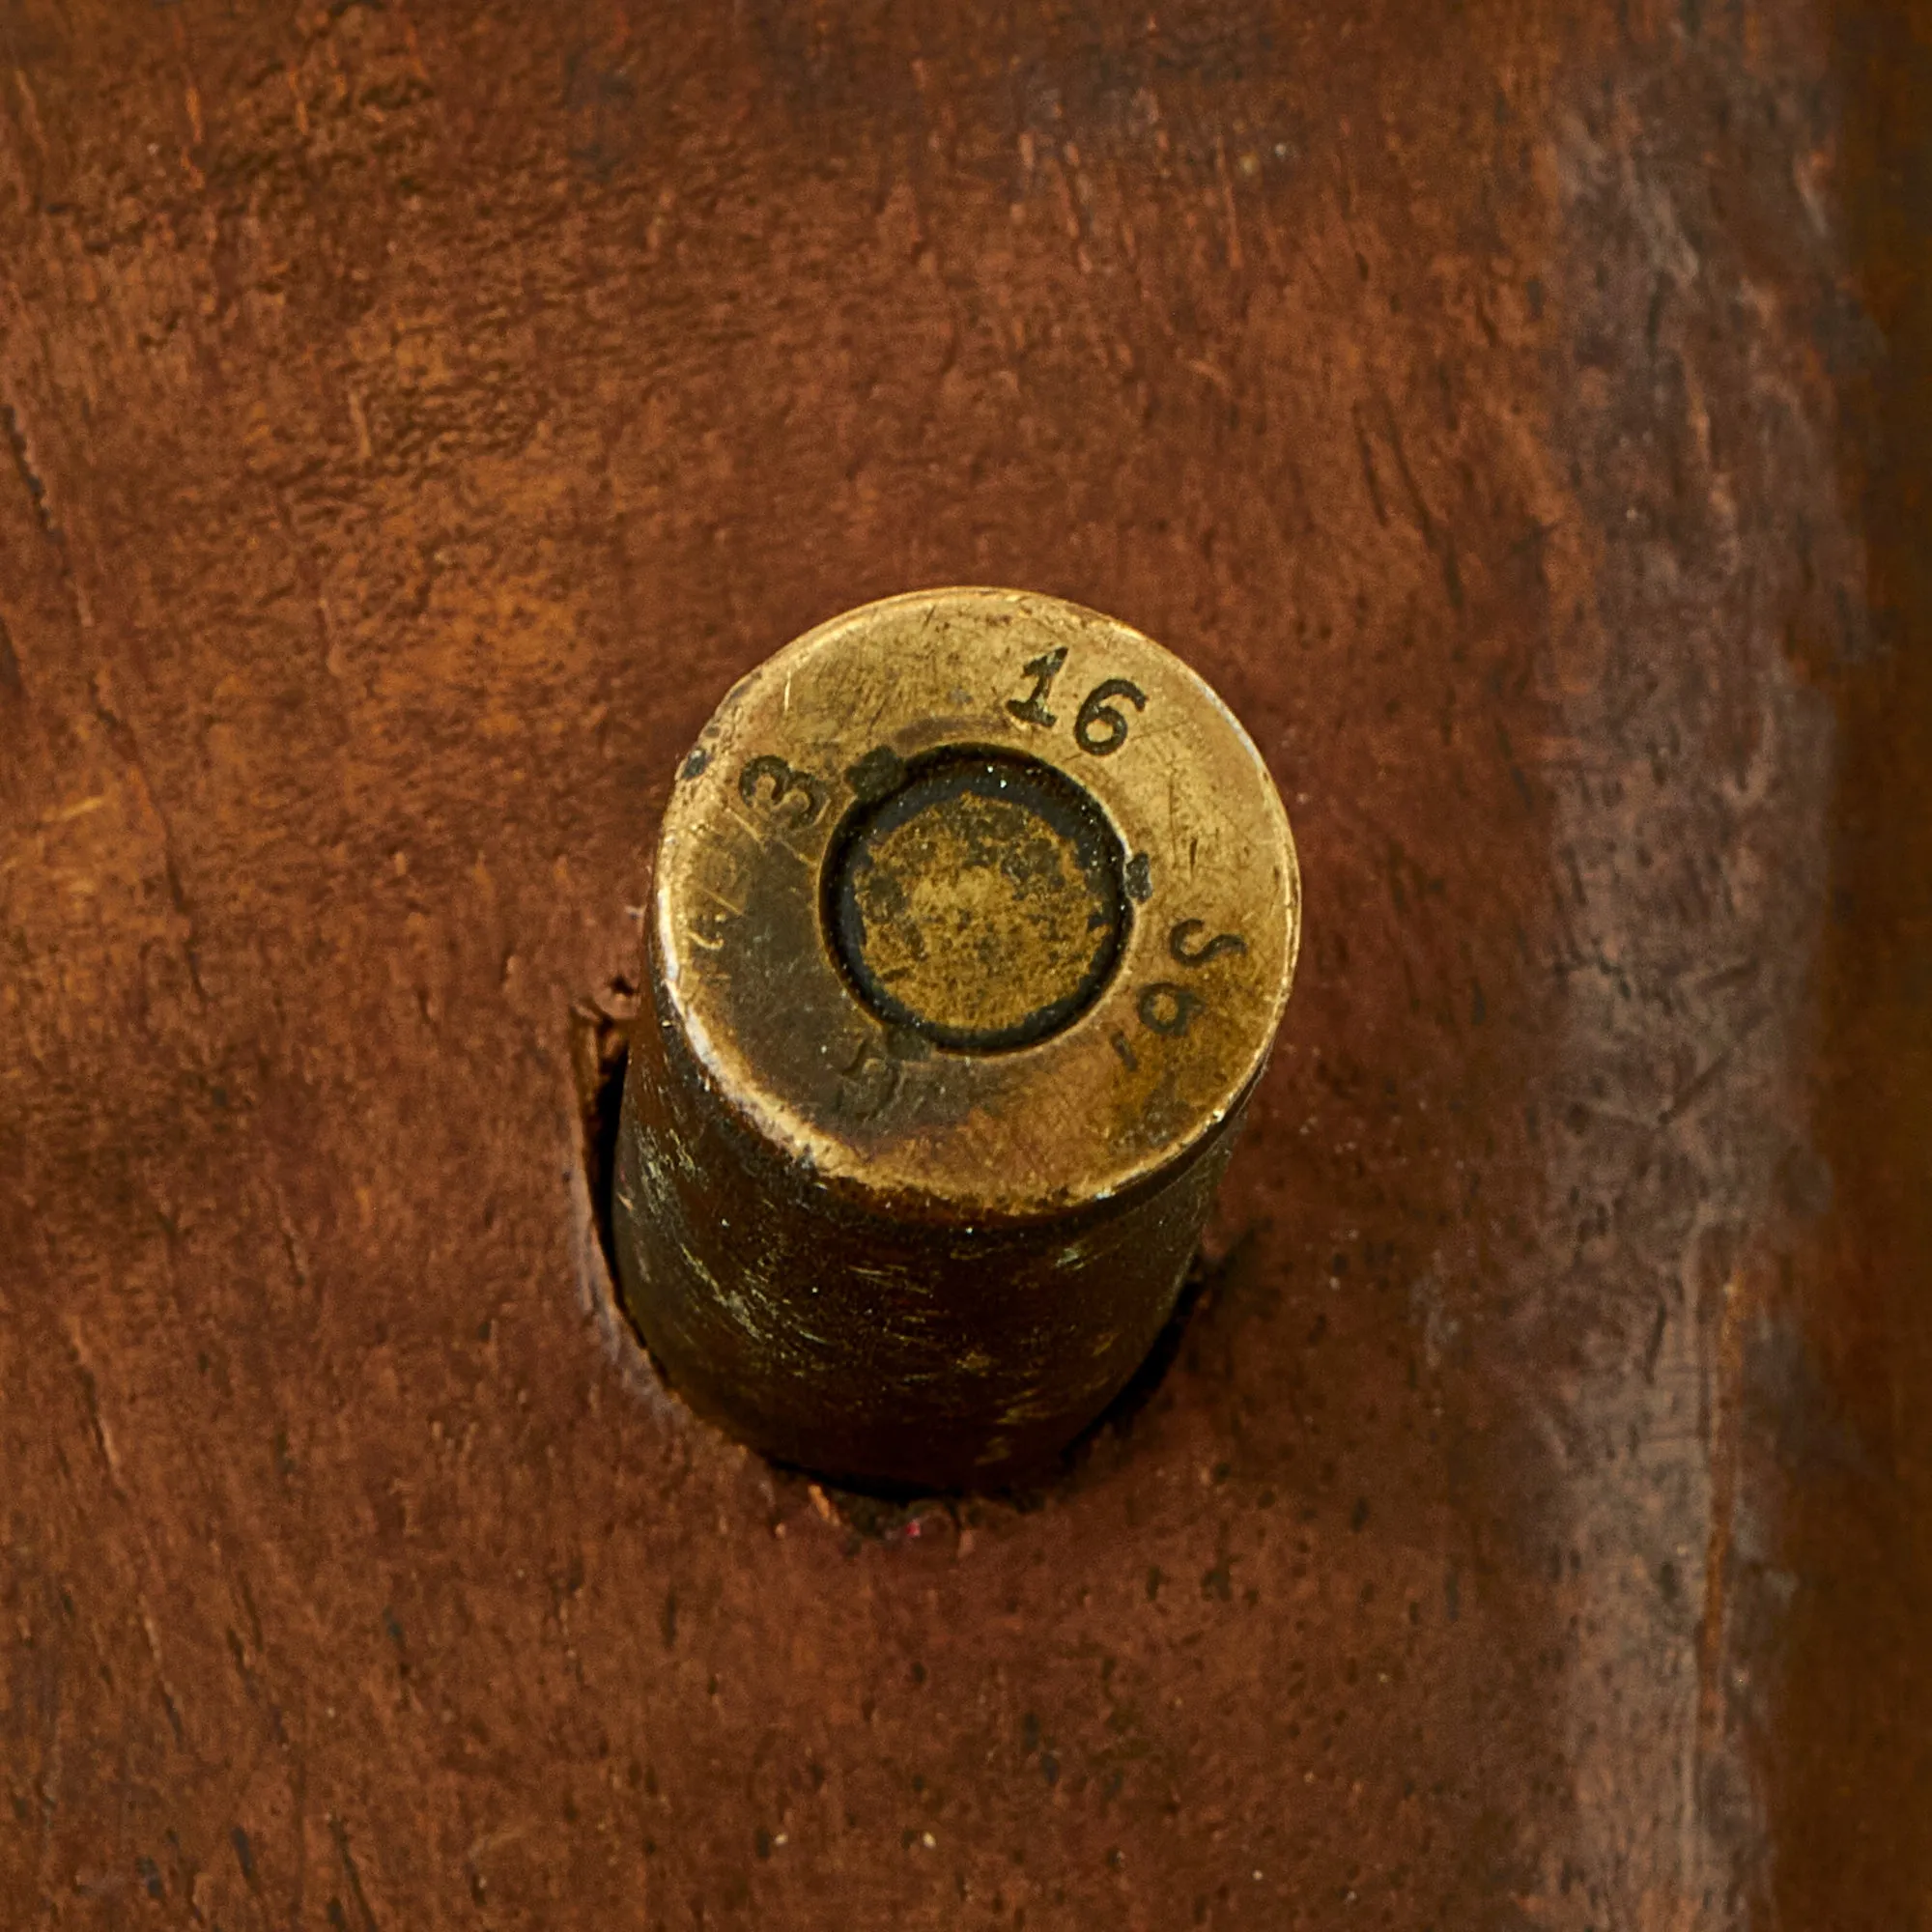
[(973, 923)]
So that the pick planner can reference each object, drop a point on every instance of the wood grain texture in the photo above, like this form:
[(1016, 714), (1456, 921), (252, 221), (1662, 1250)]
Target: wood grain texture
[(416, 416)]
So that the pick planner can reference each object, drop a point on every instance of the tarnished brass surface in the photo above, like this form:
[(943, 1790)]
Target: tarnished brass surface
[(973, 920)]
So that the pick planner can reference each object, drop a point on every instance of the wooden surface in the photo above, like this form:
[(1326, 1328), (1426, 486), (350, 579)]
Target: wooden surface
[(418, 414)]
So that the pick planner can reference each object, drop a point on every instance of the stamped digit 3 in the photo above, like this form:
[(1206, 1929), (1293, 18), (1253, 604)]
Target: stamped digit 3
[(785, 784)]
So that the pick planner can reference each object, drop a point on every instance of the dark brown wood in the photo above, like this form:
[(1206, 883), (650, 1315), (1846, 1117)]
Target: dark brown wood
[(415, 417)]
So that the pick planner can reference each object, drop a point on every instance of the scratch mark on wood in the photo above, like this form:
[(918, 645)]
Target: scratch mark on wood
[(170, 1703), (1369, 475), (11, 683), (1228, 202), (339, 1832), (91, 1394), (1699, 1083), (29, 473)]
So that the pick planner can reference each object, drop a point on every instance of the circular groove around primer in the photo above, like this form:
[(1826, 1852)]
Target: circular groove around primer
[(979, 903)]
